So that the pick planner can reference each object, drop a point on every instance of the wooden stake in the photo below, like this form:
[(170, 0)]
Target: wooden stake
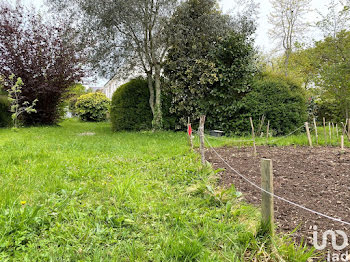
[(189, 135), (201, 136), (267, 131), (253, 135), (333, 130), (342, 143), (267, 209), (325, 131), (308, 133), (330, 133), (261, 125), (337, 130), (316, 134)]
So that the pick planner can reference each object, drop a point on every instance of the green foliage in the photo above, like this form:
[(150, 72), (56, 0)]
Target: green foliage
[(93, 107), (5, 114), (190, 69), (210, 65), (279, 99), (70, 98), (330, 109), (235, 61), (332, 56), (325, 65), (18, 106), (130, 108)]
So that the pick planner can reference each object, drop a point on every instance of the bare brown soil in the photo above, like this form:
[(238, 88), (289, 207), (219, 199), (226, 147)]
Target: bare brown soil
[(317, 178)]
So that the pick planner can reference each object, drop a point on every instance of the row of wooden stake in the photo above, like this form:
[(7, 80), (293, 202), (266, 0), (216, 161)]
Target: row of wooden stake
[(332, 130)]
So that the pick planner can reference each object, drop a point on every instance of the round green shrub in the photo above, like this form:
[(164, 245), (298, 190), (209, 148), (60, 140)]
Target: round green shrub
[(5, 114), (92, 107), (130, 108), (282, 101)]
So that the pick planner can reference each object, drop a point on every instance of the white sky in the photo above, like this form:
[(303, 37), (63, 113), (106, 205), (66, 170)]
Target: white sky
[(262, 39)]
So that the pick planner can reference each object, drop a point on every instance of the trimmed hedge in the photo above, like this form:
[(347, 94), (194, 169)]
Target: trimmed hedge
[(93, 107), (5, 114), (130, 108), (282, 101)]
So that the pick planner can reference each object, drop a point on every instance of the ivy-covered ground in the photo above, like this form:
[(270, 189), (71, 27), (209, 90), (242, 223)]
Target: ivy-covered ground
[(79, 192)]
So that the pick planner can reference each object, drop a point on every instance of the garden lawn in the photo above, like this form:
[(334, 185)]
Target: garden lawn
[(68, 195)]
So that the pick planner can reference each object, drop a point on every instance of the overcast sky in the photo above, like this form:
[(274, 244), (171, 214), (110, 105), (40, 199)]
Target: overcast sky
[(262, 39)]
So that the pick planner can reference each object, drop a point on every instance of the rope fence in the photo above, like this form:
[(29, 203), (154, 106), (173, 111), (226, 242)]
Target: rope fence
[(328, 139), (267, 171), (272, 194)]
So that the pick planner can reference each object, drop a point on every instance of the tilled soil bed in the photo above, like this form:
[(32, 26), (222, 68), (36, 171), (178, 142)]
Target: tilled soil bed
[(317, 178)]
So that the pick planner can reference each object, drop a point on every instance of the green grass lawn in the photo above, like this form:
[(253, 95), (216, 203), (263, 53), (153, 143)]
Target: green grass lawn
[(138, 196)]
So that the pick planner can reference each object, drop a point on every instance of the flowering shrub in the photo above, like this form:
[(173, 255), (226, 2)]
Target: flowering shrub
[(93, 107)]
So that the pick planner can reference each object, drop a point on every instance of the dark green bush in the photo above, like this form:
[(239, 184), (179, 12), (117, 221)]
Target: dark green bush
[(330, 109), (281, 101), (93, 107), (130, 108), (5, 114)]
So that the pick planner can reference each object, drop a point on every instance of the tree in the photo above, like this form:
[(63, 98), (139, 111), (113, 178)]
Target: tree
[(210, 62), (14, 97), (333, 69), (35, 51), (336, 19), (126, 34), (197, 27), (288, 21), (235, 60)]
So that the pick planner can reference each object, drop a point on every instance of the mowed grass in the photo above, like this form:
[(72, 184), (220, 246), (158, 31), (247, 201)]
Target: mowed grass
[(66, 195)]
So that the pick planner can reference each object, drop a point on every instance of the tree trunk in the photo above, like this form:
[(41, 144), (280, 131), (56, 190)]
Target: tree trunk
[(157, 116), (151, 90), (286, 62)]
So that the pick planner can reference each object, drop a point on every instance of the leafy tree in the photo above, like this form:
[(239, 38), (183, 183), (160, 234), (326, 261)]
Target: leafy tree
[(35, 51), (125, 34), (235, 62), (333, 69), (210, 62), (198, 26), (336, 19), (288, 20), (14, 97), (302, 66)]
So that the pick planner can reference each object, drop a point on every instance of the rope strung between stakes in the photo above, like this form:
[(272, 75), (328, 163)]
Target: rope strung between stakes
[(273, 195), (271, 141), (277, 139)]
